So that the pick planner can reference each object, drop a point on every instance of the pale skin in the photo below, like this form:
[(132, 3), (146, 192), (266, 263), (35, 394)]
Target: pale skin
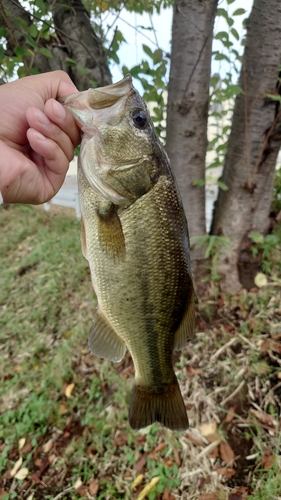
[(37, 137)]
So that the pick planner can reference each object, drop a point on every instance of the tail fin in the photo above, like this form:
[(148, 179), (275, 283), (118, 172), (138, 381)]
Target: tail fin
[(166, 407)]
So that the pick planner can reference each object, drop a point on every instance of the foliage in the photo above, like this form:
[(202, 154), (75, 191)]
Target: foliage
[(212, 246)]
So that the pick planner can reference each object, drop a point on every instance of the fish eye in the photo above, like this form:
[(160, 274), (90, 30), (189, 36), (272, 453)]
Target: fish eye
[(139, 119)]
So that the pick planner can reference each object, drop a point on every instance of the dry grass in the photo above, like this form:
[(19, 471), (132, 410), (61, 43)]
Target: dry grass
[(64, 412)]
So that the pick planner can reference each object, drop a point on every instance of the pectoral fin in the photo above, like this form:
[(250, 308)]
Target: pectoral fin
[(110, 230), (186, 328), (104, 341)]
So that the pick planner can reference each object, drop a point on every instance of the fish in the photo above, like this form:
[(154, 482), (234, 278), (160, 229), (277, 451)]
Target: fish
[(134, 235)]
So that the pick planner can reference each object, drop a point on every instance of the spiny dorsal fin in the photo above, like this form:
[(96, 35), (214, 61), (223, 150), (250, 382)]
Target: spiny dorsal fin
[(186, 328), (104, 341)]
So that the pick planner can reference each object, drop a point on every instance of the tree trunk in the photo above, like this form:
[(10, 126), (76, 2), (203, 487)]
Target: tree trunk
[(75, 39), (187, 112), (253, 145)]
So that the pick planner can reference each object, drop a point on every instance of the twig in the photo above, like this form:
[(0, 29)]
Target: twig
[(238, 389), (223, 348), (62, 493)]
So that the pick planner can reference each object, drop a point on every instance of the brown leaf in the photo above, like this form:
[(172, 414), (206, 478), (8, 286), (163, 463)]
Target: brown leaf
[(193, 440), (93, 487), (177, 457), (191, 372), (208, 496), (230, 415), (121, 439), (166, 495), (235, 496), (264, 418), (68, 390), (213, 437), (225, 471), (35, 478), (227, 454), (153, 454), (214, 453), (268, 461), (139, 466), (26, 448), (82, 490)]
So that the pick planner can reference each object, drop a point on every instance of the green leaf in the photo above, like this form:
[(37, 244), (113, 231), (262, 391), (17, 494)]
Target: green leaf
[(222, 35), (147, 50), (3, 31), (222, 186), (45, 52), (239, 12), (199, 182), (21, 23), (1, 53), (257, 237), (229, 2), (69, 61), (157, 56), (33, 31), (235, 33), (20, 52), (274, 97)]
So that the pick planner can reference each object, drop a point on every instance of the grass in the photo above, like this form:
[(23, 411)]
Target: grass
[(63, 412)]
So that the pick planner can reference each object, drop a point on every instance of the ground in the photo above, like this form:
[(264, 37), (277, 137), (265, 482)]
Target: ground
[(64, 432)]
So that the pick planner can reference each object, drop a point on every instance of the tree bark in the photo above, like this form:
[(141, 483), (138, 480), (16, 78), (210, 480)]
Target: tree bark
[(253, 145), (187, 112), (75, 38)]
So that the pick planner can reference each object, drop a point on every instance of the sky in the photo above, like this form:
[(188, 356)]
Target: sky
[(131, 53)]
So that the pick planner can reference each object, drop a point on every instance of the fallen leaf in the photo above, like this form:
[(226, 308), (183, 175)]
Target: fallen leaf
[(21, 443), (62, 409), (147, 489), (208, 496), (268, 461), (78, 483), (213, 437), (68, 390), (51, 458), (153, 454), (48, 446), (166, 495), (137, 481), (225, 471), (191, 372), (93, 487), (22, 473), (177, 457), (263, 417), (260, 280), (82, 490), (193, 440), (16, 467), (208, 429), (139, 466), (227, 454), (26, 448), (230, 415)]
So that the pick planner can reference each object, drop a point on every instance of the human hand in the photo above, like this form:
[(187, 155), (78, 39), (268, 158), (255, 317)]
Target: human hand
[(37, 137)]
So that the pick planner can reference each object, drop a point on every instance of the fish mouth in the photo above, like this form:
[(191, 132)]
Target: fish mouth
[(82, 104)]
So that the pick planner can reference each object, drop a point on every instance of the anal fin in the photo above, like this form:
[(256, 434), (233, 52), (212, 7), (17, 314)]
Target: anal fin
[(104, 341), (185, 331), (165, 407)]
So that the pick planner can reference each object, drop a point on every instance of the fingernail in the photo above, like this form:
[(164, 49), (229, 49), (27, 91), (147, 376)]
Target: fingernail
[(39, 136), (59, 110), (42, 118)]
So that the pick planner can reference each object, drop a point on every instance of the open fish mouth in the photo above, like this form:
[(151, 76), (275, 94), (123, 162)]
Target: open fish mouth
[(114, 96)]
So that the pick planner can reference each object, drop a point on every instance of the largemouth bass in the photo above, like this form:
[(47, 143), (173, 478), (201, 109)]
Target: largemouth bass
[(135, 237)]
